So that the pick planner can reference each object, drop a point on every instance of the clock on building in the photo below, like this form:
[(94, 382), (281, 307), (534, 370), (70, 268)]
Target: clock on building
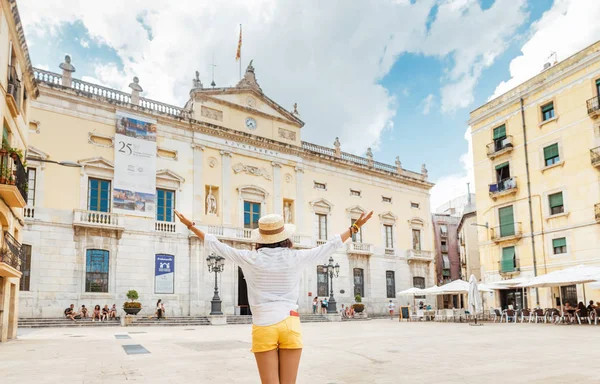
[(250, 123)]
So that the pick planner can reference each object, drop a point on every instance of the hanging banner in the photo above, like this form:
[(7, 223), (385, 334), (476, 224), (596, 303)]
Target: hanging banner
[(164, 274), (134, 190)]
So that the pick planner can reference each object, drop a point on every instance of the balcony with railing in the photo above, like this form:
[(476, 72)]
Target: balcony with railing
[(358, 248), (98, 220), (595, 156), (390, 252), (413, 255), (13, 179), (165, 226), (499, 147), (503, 188), (13, 92), (597, 212), (593, 107), (508, 266), (506, 232), (29, 212), (10, 255)]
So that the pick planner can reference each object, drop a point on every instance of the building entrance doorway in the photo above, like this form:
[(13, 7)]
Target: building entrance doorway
[(513, 297), (243, 294)]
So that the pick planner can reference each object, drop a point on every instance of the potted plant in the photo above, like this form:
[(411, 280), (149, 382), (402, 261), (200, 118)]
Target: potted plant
[(132, 307), (358, 306)]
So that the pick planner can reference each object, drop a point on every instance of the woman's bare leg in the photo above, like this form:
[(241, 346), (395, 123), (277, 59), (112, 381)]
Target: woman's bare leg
[(268, 366), (289, 361)]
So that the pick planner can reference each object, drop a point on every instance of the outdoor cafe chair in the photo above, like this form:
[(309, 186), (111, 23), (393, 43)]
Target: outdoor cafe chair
[(583, 314), (510, 314), (449, 314), (597, 315), (553, 315), (538, 315), (526, 314), (497, 315), (440, 315)]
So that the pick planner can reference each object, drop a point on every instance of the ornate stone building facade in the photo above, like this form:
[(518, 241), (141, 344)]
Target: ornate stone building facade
[(227, 157)]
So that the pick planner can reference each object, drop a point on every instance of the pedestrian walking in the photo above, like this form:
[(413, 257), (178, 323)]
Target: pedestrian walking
[(315, 303), (391, 307)]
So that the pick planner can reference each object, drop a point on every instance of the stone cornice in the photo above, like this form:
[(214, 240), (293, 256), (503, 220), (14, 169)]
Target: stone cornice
[(15, 22)]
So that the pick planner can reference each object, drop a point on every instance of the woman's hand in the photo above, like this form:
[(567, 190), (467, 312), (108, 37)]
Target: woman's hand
[(362, 220), (183, 219)]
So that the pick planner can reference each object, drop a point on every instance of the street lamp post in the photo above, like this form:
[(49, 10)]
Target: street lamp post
[(63, 163), (334, 271), (216, 265)]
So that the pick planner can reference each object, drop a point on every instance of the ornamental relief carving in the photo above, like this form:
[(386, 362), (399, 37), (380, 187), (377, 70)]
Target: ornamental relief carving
[(210, 113), (251, 170), (286, 134)]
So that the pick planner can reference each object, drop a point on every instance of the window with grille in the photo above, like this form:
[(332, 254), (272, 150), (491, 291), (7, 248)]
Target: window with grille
[(419, 282), (25, 267), (322, 282), (96, 270), (559, 245), (251, 214), (556, 203), (322, 220), (99, 195), (165, 204), (359, 283), (390, 284), (389, 236)]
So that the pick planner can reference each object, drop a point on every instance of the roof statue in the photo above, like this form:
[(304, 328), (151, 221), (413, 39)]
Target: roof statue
[(249, 79), (67, 66), (197, 83), (135, 86)]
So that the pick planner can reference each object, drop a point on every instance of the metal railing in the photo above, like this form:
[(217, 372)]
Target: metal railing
[(96, 218), (165, 226), (508, 265), (10, 253), (505, 185), (593, 105), (499, 145), (12, 172), (504, 231), (595, 156), (14, 85), (597, 211)]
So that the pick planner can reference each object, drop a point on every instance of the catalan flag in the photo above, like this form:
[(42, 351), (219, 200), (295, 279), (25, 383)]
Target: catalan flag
[(238, 55)]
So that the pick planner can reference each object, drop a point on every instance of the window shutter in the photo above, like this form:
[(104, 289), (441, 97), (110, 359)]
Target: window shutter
[(508, 259), (507, 221), (551, 151), (562, 242), (547, 107), (499, 132), (556, 200), (500, 166)]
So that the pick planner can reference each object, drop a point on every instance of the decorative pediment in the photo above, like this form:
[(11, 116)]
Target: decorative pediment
[(253, 193), (416, 222), (355, 211), (321, 206), (97, 162), (33, 152), (168, 178), (387, 217)]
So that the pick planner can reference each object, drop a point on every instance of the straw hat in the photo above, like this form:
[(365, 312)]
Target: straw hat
[(271, 229)]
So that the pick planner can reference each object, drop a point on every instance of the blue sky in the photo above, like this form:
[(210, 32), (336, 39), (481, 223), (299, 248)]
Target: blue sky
[(399, 76)]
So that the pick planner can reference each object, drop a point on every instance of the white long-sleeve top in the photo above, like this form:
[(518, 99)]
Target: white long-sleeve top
[(273, 275)]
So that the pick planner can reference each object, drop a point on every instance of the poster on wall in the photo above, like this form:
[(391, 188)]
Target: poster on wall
[(134, 190), (164, 273)]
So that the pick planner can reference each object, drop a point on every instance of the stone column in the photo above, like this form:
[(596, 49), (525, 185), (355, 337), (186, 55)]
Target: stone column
[(198, 203), (226, 195), (277, 183), (13, 317), (299, 220), (196, 277)]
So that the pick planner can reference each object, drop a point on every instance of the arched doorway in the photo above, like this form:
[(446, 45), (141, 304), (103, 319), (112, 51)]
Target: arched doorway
[(243, 294)]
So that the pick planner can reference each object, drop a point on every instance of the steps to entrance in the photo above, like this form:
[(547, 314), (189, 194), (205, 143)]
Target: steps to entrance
[(59, 322), (239, 319), (303, 319), (179, 321)]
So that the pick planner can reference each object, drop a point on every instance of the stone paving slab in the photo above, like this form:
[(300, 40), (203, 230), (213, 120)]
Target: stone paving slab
[(378, 351)]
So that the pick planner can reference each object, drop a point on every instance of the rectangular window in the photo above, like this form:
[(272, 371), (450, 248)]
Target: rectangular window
[(500, 133), (389, 236), (414, 205), (507, 221), (551, 155), (356, 237), (251, 214), (25, 267), (322, 282), (322, 219), (386, 199), (556, 203), (419, 282), (5, 136), (390, 284), (320, 186), (96, 270), (444, 230), (559, 245), (502, 172), (416, 239), (547, 111), (359, 282), (31, 176), (444, 246), (445, 273), (509, 261), (445, 261), (99, 195), (354, 193), (165, 204)]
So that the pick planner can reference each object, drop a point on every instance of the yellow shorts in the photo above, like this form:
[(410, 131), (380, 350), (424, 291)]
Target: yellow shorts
[(286, 334)]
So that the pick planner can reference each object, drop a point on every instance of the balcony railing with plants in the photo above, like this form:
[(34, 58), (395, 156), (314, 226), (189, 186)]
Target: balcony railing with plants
[(595, 156), (597, 212), (593, 106), (12, 170), (14, 87), (507, 231), (508, 265), (10, 252), (499, 146), (504, 186)]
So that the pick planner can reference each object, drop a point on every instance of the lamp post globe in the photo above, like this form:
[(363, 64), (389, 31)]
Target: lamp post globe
[(334, 271)]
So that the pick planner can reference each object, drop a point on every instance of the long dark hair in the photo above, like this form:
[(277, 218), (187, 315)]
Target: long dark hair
[(158, 302), (287, 243)]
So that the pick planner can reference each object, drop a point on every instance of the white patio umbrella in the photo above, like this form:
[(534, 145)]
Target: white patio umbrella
[(411, 292), (474, 294), (457, 287), (595, 285)]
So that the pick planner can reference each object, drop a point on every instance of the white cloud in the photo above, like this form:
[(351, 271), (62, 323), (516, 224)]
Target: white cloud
[(84, 43), (567, 27), (327, 56), (454, 185), (427, 103)]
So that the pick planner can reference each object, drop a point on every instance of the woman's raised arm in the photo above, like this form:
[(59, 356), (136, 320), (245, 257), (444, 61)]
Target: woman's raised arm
[(190, 225), (356, 226)]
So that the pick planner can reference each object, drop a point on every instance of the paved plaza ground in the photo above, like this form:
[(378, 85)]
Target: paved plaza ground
[(376, 351)]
